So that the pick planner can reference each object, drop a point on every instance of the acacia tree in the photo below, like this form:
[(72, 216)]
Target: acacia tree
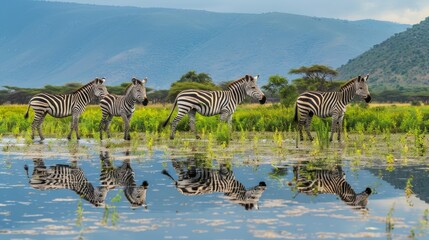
[(278, 86), (314, 78), (191, 80)]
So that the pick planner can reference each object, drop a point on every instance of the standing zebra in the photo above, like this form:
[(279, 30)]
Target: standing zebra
[(112, 177), (322, 181), (63, 176), (327, 104), (209, 103), (193, 180), (64, 105), (122, 105)]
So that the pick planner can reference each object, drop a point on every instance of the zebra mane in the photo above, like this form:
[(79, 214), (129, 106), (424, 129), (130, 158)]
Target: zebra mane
[(85, 86), (239, 81), (128, 89), (348, 84)]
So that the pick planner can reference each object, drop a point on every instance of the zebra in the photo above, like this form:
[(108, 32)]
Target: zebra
[(322, 181), (122, 105), (209, 103), (63, 176), (195, 180), (112, 177), (327, 104), (64, 105)]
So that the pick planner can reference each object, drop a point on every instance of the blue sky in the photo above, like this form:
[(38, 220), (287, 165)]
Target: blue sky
[(400, 11)]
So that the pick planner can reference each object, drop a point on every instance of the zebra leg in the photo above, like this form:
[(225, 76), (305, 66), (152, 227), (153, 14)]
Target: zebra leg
[(334, 125), (340, 127), (38, 124), (126, 126), (107, 125), (101, 127), (74, 126), (300, 125), (191, 115), (174, 123), (307, 126)]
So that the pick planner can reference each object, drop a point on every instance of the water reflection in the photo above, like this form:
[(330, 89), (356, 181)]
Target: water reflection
[(70, 176), (64, 176), (313, 181), (195, 179), (123, 176)]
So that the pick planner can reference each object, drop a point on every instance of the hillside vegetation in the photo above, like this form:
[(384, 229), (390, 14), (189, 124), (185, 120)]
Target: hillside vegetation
[(54, 43), (399, 65)]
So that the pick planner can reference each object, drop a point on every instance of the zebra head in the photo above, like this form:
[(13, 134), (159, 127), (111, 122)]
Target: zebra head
[(100, 89), (362, 88), (362, 198), (253, 90), (252, 196), (136, 195), (139, 90), (100, 194)]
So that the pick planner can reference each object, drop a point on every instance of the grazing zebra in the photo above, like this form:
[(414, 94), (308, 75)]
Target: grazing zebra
[(112, 177), (122, 105), (209, 103), (62, 176), (313, 182), (327, 104), (64, 105), (194, 180)]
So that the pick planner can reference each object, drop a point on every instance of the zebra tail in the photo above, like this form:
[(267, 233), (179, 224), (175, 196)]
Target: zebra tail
[(295, 117), (165, 172), (169, 116), (26, 114)]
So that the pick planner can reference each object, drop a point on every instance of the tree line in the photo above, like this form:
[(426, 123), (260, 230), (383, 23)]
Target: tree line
[(278, 88)]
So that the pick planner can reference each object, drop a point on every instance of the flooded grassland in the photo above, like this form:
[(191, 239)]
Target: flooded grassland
[(260, 185)]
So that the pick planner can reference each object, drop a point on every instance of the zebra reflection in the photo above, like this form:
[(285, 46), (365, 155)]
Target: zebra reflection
[(112, 177), (63, 176), (322, 181), (194, 180)]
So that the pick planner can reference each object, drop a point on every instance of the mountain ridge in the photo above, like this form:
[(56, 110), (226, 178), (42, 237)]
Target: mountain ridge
[(53, 43)]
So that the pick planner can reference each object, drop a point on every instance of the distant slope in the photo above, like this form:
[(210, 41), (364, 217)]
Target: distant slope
[(53, 43), (402, 61)]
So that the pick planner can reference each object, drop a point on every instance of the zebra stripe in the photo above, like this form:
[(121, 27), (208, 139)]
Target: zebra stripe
[(197, 181), (66, 177), (329, 104), (123, 106), (112, 177), (209, 103), (63, 105), (329, 182)]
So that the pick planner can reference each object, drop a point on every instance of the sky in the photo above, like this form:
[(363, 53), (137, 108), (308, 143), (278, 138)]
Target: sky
[(399, 11)]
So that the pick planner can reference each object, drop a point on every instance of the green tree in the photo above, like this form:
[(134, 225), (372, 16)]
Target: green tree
[(314, 78), (278, 87), (192, 76), (177, 87)]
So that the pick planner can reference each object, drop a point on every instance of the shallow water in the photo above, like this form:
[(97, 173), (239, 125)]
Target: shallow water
[(179, 207)]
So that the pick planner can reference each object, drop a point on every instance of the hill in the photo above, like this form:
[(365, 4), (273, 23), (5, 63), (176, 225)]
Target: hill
[(399, 63), (54, 43)]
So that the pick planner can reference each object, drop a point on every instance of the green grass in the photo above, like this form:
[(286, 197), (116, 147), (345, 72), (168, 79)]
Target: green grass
[(252, 118)]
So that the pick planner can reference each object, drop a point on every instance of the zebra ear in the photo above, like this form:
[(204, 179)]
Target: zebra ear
[(100, 80), (144, 80), (134, 80), (366, 78), (256, 77)]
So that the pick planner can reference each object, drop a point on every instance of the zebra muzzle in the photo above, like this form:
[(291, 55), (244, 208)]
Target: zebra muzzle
[(263, 100), (368, 99), (145, 102)]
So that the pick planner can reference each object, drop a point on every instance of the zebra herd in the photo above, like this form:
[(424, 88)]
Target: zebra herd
[(206, 103)]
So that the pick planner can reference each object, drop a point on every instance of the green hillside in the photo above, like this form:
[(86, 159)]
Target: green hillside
[(43, 42), (399, 64)]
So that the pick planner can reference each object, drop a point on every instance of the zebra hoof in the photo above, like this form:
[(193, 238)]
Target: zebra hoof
[(197, 137), (171, 137)]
